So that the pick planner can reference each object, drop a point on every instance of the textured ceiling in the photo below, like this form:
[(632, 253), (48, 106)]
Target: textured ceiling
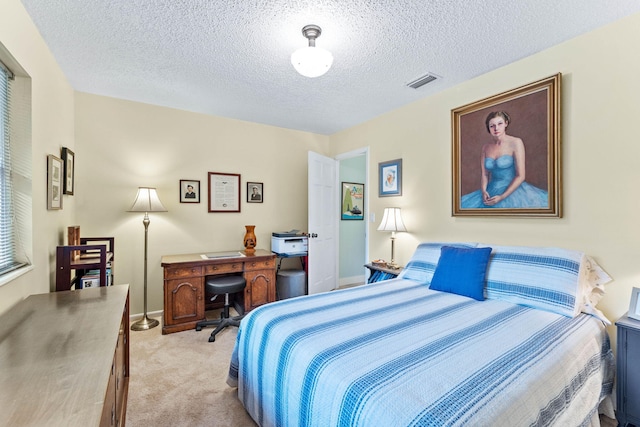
[(232, 58)]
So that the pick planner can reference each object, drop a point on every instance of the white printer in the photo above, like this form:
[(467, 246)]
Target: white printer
[(289, 243)]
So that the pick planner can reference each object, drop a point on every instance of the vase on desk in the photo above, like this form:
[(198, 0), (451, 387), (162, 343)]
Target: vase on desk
[(249, 240)]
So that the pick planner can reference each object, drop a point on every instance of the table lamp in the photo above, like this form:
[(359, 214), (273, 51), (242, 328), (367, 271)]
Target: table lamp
[(392, 221), (146, 201)]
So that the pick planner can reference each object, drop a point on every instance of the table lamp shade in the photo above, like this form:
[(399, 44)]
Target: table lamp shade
[(392, 220), (147, 200)]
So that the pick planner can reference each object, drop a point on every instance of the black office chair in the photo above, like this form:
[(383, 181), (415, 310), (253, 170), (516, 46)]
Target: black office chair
[(222, 285)]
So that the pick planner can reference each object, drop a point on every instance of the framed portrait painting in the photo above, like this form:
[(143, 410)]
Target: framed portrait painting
[(390, 178), (55, 170), (352, 202), (506, 153), (68, 159), (224, 192), (189, 191), (255, 192)]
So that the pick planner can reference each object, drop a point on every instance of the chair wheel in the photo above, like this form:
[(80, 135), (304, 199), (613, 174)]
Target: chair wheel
[(198, 328), (212, 339)]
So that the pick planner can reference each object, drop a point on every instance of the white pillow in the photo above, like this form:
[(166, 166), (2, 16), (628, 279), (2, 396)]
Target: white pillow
[(592, 281)]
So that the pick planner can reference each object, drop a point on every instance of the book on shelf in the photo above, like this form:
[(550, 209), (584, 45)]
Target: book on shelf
[(91, 279)]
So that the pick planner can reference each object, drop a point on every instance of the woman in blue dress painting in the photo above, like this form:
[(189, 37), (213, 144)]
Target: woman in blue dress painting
[(503, 172)]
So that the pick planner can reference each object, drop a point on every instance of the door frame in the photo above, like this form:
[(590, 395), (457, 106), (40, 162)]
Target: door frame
[(369, 217)]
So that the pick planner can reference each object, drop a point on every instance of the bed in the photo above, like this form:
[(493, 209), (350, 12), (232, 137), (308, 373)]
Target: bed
[(526, 346)]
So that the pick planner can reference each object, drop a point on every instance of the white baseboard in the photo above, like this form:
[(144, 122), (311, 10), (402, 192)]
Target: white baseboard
[(137, 316), (344, 281)]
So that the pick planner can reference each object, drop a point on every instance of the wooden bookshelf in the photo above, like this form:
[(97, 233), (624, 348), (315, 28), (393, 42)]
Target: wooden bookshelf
[(73, 261)]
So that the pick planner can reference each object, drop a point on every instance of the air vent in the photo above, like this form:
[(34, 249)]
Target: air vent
[(421, 81)]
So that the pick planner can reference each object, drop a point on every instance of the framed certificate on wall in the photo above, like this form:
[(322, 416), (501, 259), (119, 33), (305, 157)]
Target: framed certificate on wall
[(224, 192)]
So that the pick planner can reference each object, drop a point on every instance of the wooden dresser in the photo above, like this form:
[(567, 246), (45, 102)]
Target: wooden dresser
[(184, 277), (64, 359)]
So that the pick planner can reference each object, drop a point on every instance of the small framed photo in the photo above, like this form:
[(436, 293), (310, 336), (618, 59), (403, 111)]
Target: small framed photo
[(189, 191), (255, 192), (55, 170), (390, 178), (634, 304), (352, 202), (69, 159)]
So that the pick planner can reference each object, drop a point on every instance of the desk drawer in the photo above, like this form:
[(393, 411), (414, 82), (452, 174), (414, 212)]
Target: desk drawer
[(259, 265), (177, 273), (232, 267)]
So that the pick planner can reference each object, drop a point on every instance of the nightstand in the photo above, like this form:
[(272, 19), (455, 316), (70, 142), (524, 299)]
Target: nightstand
[(379, 273), (628, 371)]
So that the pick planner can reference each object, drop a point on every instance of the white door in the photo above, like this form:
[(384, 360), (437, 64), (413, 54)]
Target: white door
[(322, 221)]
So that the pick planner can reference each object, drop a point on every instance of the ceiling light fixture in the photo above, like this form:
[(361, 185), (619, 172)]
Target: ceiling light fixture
[(312, 61)]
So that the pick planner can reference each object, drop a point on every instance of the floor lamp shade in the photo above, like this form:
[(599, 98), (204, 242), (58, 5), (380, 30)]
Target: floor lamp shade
[(392, 221), (146, 201)]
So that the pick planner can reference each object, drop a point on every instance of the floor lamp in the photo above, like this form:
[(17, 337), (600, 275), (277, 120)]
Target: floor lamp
[(147, 200), (392, 221)]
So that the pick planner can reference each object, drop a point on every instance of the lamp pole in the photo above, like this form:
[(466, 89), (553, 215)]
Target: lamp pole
[(393, 264), (145, 323)]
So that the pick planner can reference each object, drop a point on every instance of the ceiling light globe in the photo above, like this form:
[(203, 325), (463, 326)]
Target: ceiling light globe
[(312, 61)]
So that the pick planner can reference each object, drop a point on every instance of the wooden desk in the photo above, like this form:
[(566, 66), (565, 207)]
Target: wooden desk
[(64, 359), (184, 277)]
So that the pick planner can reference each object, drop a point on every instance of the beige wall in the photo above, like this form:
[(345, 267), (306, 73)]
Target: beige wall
[(52, 128), (600, 147), (121, 145)]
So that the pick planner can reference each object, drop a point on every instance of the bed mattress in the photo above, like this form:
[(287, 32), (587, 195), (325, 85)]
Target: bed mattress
[(396, 353)]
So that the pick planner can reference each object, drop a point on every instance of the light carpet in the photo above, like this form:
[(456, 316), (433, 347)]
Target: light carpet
[(179, 379)]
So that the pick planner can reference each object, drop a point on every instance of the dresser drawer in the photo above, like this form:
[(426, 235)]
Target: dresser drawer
[(232, 267), (259, 265), (177, 273)]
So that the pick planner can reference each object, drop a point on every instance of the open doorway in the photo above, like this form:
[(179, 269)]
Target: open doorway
[(353, 240)]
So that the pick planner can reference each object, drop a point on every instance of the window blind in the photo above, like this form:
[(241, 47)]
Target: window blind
[(9, 241)]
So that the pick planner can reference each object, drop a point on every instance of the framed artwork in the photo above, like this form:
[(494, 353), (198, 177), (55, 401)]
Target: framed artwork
[(55, 169), (390, 178), (634, 304), (189, 191), (506, 153), (352, 206), (255, 192), (224, 192), (68, 158)]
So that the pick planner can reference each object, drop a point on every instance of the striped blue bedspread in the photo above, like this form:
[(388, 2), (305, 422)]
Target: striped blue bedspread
[(395, 353)]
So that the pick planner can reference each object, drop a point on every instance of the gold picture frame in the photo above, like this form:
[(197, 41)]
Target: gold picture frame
[(485, 176), (55, 172)]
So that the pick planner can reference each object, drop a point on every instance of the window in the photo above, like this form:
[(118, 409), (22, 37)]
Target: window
[(15, 168)]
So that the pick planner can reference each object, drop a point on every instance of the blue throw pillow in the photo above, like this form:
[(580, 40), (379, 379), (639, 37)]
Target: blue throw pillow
[(461, 271)]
